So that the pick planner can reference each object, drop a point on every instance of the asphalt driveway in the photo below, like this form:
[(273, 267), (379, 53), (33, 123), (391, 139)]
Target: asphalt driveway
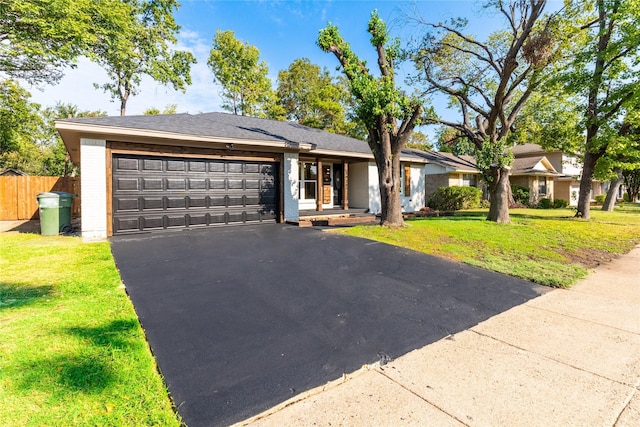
[(242, 318)]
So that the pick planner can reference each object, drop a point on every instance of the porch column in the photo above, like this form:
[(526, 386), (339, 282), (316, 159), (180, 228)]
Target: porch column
[(93, 188), (345, 185), (319, 186), (291, 187)]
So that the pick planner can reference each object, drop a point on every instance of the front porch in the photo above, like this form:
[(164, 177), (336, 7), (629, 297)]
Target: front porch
[(334, 217)]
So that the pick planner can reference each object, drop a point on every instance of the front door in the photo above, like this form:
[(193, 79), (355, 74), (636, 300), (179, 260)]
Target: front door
[(337, 186)]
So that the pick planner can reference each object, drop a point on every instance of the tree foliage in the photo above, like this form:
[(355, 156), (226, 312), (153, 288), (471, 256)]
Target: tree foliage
[(602, 67), (38, 38), (28, 138), (388, 114), (419, 141), (136, 38), (236, 66), (490, 83), (311, 97), (168, 109)]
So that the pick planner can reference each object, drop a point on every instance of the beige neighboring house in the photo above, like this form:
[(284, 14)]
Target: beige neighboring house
[(537, 174), (566, 184), (447, 170)]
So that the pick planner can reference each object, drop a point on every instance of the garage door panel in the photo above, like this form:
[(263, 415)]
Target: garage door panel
[(152, 203), (152, 184), (176, 202), (152, 193), (197, 184), (197, 201), (128, 204), (152, 165), (124, 164), (126, 184)]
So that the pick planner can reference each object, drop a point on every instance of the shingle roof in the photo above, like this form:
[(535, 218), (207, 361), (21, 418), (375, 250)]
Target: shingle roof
[(527, 166), (449, 160), (226, 125)]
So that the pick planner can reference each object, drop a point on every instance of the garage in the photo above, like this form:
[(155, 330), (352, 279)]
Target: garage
[(159, 193)]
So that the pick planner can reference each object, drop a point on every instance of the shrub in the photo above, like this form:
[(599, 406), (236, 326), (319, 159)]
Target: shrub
[(559, 204), (520, 194), (625, 197), (455, 198), (544, 204), (600, 199)]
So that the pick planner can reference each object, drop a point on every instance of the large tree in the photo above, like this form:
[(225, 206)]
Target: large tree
[(490, 82), (388, 114), (140, 42), (310, 96), (236, 66), (603, 68), (20, 124), (38, 38)]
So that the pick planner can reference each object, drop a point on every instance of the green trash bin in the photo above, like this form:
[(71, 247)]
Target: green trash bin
[(55, 212)]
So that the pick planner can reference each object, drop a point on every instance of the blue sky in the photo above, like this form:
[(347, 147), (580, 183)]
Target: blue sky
[(282, 31)]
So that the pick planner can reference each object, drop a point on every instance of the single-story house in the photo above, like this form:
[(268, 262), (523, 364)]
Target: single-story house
[(566, 184), (535, 173), (447, 170), (145, 173)]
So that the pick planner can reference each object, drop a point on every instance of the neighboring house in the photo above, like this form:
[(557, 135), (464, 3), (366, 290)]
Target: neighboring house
[(13, 172), (566, 185), (447, 170), (537, 174), (144, 173)]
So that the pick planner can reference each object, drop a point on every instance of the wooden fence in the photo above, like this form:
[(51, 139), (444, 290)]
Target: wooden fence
[(18, 195)]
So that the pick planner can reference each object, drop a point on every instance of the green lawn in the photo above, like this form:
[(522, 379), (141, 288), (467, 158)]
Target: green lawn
[(71, 349), (549, 247)]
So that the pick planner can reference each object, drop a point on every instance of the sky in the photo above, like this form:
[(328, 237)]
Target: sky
[(282, 30)]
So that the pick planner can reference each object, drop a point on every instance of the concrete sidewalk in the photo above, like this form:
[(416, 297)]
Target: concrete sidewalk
[(569, 357)]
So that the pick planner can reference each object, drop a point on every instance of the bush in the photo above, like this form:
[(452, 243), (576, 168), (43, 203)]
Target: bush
[(559, 204), (625, 197), (600, 199), (520, 194), (544, 204), (455, 198)]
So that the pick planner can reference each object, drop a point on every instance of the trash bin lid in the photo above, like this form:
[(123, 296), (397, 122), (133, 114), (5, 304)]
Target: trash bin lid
[(49, 195), (63, 194)]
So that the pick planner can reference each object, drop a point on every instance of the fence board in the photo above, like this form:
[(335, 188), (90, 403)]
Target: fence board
[(18, 194)]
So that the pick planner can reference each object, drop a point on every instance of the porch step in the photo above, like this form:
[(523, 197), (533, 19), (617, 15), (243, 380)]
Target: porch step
[(335, 220)]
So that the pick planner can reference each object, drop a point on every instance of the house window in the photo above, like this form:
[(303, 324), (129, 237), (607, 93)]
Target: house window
[(406, 181), (308, 180), (542, 185), (469, 180)]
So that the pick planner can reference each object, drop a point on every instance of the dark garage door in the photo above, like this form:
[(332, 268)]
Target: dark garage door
[(156, 193)]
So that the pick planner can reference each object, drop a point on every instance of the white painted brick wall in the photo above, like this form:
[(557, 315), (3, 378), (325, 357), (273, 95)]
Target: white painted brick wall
[(93, 185), (291, 188)]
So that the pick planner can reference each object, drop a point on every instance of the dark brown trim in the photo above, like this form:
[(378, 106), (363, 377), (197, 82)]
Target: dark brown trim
[(191, 152), (345, 185), (319, 185)]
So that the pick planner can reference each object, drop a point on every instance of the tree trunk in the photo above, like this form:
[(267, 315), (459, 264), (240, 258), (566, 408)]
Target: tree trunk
[(389, 180), (610, 201), (499, 191), (584, 196)]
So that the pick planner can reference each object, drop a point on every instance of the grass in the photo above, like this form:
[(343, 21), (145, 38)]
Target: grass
[(549, 247), (71, 349)]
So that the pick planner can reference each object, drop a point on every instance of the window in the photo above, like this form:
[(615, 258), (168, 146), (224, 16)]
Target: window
[(308, 180), (406, 180), (542, 185), (469, 180)]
